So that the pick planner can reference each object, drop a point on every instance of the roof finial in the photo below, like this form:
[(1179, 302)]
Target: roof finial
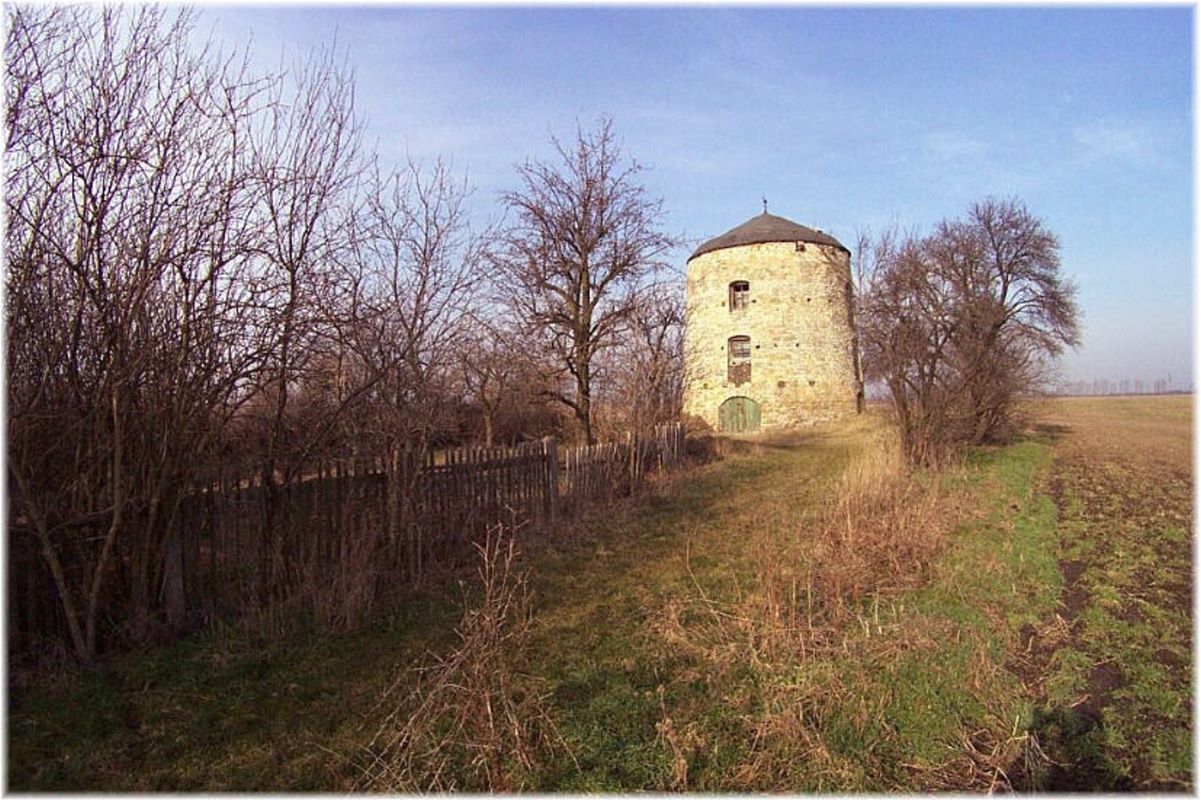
[(764, 205)]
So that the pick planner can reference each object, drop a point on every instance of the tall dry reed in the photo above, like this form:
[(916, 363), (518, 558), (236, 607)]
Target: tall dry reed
[(876, 532), (882, 527)]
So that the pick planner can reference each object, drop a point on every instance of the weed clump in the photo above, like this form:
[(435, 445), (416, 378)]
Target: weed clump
[(473, 722), (880, 528)]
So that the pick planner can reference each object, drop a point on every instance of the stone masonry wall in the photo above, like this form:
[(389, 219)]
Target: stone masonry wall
[(798, 320)]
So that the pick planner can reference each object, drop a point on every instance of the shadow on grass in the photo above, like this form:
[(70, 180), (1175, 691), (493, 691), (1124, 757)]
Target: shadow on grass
[(1052, 431), (1073, 740)]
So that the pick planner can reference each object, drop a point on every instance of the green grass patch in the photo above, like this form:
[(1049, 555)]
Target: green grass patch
[(934, 659)]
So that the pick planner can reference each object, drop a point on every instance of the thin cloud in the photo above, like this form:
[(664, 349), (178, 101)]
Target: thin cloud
[(1108, 140), (951, 146)]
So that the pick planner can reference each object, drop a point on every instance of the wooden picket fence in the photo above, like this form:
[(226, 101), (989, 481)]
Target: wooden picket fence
[(612, 469), (460, 491), (237, 545)]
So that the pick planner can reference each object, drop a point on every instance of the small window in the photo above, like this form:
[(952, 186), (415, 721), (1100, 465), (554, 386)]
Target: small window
[(740, 295), (739, 360)]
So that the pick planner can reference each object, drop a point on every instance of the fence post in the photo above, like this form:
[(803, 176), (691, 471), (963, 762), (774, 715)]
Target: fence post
[(550, 452)]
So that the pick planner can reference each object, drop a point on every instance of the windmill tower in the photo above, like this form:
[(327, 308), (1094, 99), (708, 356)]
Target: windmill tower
[(769, 334)]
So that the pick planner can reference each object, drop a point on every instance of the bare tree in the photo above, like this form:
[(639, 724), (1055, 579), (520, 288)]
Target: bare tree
[(961, 323), (306, 162), (1017, 310), (125, 263), (503, 380), (417, 265), (645, 370), (414, 267), (490, 371), (583, 235)]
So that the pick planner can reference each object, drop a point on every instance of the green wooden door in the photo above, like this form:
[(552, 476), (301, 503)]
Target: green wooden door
[(739, 415)]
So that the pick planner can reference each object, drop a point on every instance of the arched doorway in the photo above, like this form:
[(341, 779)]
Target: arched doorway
[(739, 415)]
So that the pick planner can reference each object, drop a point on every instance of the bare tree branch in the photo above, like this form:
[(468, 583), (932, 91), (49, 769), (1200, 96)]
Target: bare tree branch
[(584, 235)]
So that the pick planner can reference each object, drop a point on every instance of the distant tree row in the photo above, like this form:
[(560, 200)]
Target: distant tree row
[(208, 266), (1107, 386)]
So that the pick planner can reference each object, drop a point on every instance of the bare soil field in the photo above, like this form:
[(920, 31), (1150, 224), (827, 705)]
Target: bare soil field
[(1117, 659)]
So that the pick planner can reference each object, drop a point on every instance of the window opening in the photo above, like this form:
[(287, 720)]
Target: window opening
[(740, 295), (739, 360)]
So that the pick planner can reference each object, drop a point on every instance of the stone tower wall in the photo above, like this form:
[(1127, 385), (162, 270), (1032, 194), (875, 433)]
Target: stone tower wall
[(799, 323)]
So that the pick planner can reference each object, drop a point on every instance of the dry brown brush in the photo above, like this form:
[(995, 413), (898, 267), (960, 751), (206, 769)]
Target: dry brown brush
[(880, 531), (473, 722), (876, 534), (206, 287)]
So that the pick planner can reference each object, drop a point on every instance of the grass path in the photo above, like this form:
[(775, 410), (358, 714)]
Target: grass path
[(1054, 621), (599, 597)]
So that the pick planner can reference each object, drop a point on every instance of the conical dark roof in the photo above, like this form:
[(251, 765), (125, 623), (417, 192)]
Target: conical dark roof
[(766, 228)]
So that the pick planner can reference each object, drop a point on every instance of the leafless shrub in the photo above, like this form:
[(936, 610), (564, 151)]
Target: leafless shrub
[(503, 379), (473, 722), (200, 282), (643, 373), (960, 324), (128, 255), (342, 593), (411, 272), (681, 743)]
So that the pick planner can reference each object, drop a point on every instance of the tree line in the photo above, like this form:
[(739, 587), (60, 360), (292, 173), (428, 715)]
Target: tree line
[(208, 266)]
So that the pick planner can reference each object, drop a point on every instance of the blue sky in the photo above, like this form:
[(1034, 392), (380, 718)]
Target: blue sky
[(844, 119)]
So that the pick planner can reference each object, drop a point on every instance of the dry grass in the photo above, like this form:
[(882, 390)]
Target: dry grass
[(882, 685), (876, 534), (824, 573), (680, 743), (883, 527), (473, 722)]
